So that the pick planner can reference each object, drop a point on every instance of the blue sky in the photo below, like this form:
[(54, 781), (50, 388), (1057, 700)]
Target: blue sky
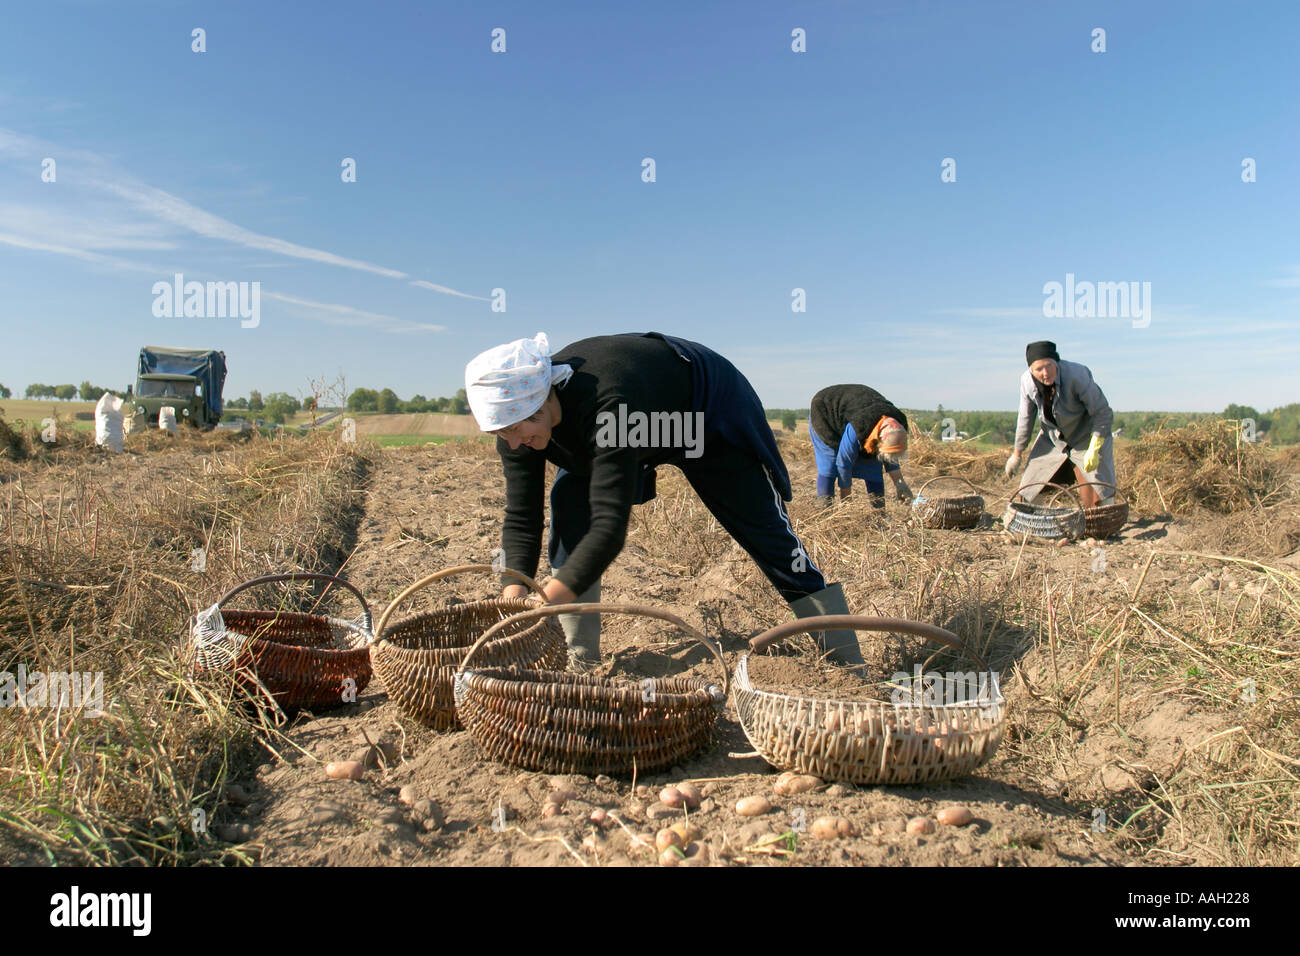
[(775, 170)]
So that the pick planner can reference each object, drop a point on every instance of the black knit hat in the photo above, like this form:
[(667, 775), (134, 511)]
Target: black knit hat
[(1041, 350)]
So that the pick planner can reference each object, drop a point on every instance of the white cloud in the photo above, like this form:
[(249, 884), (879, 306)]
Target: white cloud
[(163, 207), (335, 314), (442, 288), (1291, 282)]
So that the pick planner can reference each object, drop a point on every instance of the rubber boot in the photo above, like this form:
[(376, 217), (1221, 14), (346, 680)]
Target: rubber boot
[(582, 631), (825, 502), (841, 645)]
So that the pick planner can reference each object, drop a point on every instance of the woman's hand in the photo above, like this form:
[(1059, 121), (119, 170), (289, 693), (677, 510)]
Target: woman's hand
[(558, 593), (555, 592), (1012, 464)]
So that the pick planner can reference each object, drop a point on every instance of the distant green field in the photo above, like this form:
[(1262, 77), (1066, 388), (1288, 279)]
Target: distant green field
[(34, 409)]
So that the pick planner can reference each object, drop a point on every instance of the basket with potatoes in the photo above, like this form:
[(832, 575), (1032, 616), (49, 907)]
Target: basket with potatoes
[(417, 656), (870, 741), (557, 722)]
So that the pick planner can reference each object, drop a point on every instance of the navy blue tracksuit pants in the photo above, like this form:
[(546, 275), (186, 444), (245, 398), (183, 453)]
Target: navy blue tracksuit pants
[(736, 487)]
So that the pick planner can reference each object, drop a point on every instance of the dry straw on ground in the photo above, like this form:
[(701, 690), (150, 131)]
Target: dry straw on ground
[(98, 574), (1171, 708)]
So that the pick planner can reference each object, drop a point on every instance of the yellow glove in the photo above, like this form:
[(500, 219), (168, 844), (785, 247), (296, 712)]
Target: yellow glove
[(1092, 459)]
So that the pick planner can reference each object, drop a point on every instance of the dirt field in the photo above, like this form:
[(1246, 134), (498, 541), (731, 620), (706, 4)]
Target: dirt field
[(429, 423), (1123, 666)]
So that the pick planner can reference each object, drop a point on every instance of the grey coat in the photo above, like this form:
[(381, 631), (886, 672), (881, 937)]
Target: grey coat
[(1080, 410)]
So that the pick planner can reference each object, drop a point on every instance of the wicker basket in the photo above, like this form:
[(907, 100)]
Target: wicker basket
[(870, 742), (1103, 521), (299, 660), (417, 656), (555, 722), (1043, 521), (957, 512)]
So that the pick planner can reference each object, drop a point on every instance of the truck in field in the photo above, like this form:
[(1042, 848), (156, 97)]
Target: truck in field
[(189, 380)]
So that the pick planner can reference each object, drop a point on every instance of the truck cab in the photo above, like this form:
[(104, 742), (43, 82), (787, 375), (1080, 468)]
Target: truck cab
[(189, 380), (182, 392)]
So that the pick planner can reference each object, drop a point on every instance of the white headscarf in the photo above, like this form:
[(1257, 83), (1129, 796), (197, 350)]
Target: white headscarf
[(508, 383)]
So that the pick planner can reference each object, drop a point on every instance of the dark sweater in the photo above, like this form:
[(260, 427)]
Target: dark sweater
[(838, 405), (645, 375)]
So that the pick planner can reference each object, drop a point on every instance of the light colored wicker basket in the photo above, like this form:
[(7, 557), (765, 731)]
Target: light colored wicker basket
[(1044, 521), (870, 742), (554, 722), (417, 656), (957, 512), (300, 660)]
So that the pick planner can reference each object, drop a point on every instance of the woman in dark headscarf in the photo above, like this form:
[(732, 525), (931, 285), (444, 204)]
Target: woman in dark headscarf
[(1074, 441)]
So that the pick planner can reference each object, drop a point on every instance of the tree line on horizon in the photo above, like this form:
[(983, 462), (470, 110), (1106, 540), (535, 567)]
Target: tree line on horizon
[(1280, 425)]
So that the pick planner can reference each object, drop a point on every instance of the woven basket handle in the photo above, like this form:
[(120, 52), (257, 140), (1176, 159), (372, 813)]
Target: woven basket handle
[(861, 622), (1049, 484), (1099, 484), (920, 491), (552, 610), (301, 576), (446, 573)]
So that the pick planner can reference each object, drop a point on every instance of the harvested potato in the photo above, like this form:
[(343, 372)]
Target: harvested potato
[(791, 783), (832, 828), (688, 832), (345, 770), (672, 797), (408, 794), (666, 839), (690, 794), (671, 856), (920, 826), (598, 817), (955, 816), (753, 806), (552, 810)]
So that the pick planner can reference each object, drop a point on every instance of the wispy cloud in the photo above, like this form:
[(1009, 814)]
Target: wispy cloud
[(164, 207), (421, 283), (85, 255), (1016, 311), (335, 314), (168, 208), (1290, 282)]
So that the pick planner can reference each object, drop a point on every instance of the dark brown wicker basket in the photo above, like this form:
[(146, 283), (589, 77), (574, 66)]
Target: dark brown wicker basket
[(300, 660), (958, 513), (417, 656), (871, 742), (554, 722), (1104, 520), (1043, 521)]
